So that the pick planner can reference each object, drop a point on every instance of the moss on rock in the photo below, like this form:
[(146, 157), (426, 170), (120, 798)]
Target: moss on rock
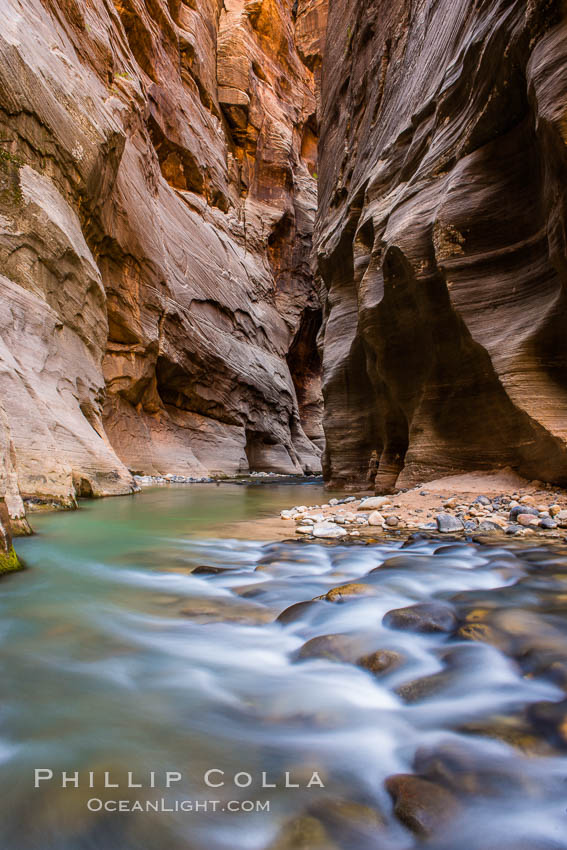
[(9, 562)]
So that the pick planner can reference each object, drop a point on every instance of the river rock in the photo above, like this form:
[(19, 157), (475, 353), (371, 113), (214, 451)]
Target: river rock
[(489, 525), (207, 570), (328, 531), (527, 520), (446, 524), (295, 612), (461, 769), (376, 503), (424, 617), (336, 647), (525, 510), (344, 591), (423, 806), (352, 824), (424, 687), (550, 719), (381, 661), (547, 523), (221, 609), (376, 519), (303, 833)]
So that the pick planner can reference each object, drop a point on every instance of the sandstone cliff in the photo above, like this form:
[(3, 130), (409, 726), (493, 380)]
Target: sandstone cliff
[(441, 238), (157, 201)]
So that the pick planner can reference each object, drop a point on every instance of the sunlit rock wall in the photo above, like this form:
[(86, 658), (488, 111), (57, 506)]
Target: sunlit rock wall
[(157, 201)]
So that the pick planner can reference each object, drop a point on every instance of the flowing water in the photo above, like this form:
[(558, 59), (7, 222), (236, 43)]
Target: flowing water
[(116, 658)]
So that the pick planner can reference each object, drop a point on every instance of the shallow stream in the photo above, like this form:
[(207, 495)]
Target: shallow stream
[(116, 658)]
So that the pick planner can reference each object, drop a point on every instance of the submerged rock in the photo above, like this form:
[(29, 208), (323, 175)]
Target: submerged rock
[(550, 720), (350, 823), (303, 833)]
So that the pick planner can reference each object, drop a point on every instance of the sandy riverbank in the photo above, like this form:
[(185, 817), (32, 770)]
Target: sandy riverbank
[(480, 503)]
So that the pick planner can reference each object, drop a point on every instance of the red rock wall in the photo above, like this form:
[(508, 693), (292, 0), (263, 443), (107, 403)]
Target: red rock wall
[(441, 239), (156, 208)]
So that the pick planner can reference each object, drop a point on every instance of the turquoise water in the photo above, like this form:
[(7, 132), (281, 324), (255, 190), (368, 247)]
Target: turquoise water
[(116, 658)]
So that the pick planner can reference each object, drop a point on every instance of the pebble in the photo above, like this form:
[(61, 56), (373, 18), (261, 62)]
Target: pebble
[(547, 523), (328, 532), (489, 525), (375, 518), (376, 503), (392, 521), (522, 509), (527, 520), (446, 523)]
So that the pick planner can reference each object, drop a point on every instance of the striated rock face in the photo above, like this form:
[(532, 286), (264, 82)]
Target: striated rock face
[(441, 239), (157, 200)]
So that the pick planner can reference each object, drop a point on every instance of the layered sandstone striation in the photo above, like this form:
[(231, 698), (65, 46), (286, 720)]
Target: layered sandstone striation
[(441, 239), (157, 198)]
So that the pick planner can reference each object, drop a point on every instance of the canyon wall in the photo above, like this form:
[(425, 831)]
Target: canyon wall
[(441, 239), (157, 198)]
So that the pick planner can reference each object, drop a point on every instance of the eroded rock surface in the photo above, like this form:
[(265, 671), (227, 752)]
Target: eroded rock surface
[(441, 239), (157, 199)]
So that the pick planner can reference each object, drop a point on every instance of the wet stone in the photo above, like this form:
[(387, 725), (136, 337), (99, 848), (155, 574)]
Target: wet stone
[(223, 610), (337, 647), (381, 661), (421, 805), (295, 612), (345, 591), (462, 770), (424, 687), (303, 833), (550, 720), (352, 824), (425, 617)]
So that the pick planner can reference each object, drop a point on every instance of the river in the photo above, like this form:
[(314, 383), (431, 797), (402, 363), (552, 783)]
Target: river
[(116, 658)]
